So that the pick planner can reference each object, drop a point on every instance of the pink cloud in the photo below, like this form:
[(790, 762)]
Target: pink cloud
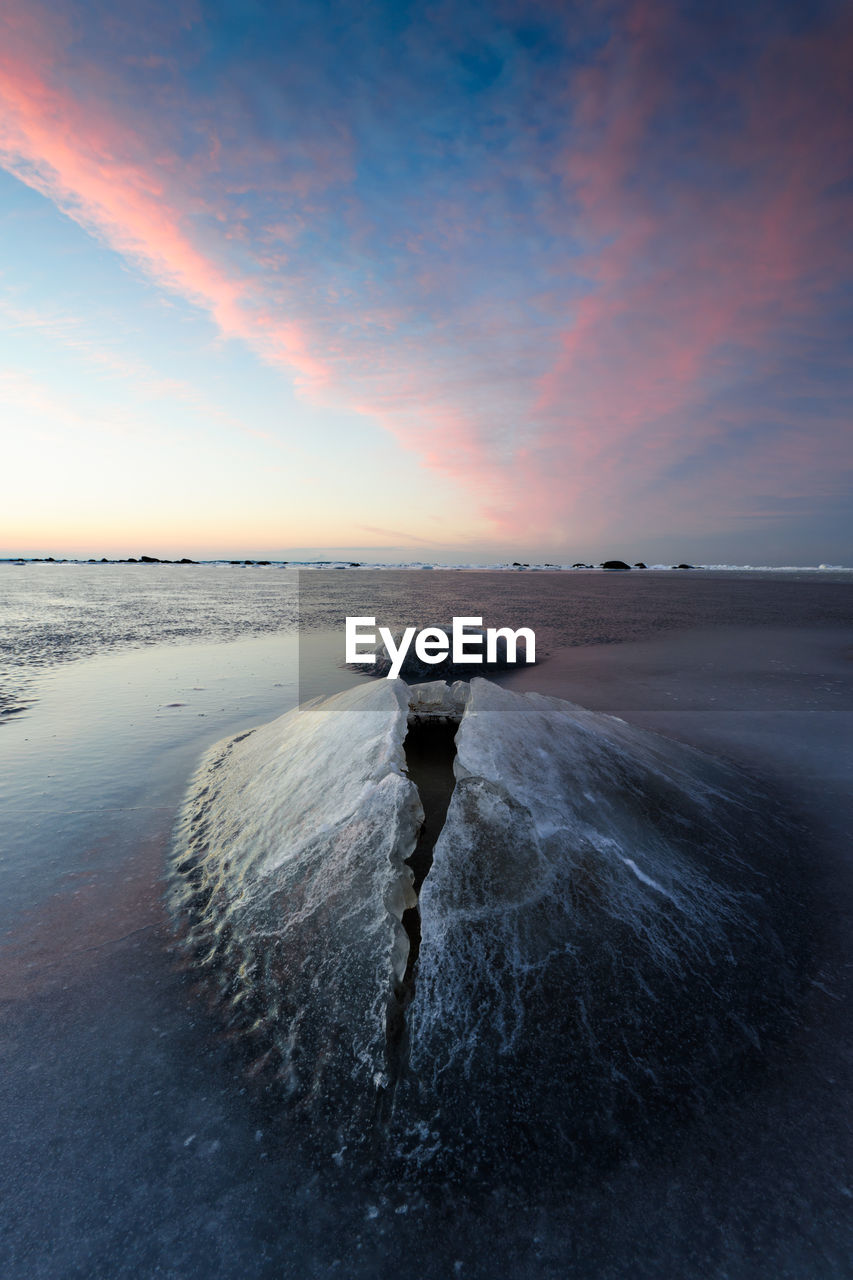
[(677, 281), (102, 174)]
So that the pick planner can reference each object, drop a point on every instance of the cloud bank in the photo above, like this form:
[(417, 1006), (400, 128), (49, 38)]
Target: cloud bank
[(591, 262)]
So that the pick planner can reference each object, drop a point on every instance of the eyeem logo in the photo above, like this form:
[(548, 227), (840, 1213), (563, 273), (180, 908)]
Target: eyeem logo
[(462, 644)]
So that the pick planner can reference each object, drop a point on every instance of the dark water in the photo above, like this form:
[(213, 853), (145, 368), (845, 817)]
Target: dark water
[(135, 1146)]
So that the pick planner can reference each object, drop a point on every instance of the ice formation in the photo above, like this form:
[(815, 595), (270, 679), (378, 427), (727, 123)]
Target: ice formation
[(596, 939), (596, 943), (437, 700), (289, 872)]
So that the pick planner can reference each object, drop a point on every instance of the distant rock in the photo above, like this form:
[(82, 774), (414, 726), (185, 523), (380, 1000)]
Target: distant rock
[(149, 560), (684, 566), (581, 566), (640, 565), (615, 564), (184, 560)]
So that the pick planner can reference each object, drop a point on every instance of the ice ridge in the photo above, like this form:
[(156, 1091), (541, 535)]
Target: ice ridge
[(517, 960)]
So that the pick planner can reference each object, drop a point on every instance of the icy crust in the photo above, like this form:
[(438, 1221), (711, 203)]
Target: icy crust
[(596, 946), (289, 871)]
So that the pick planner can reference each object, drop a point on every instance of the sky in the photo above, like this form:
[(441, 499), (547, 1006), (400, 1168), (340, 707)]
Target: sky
[(436, 281)]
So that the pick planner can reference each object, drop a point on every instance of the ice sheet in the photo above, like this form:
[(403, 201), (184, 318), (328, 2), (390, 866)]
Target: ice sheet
[(596, 939), (289, 867)]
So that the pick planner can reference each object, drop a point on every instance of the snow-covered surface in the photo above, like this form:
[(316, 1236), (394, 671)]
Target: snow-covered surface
[(289, 867)]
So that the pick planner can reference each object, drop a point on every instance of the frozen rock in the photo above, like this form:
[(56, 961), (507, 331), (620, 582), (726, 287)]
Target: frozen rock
[(597, 944), (599, 932), (289, 869)]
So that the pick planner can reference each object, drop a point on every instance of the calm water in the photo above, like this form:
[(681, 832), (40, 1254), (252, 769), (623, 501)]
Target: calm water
[(133, 1145)]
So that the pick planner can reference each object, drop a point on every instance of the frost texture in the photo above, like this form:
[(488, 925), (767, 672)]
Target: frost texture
[(289, 867), (594, 945)]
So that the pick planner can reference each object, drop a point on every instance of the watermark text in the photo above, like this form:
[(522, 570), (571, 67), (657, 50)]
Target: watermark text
[(466, 641)]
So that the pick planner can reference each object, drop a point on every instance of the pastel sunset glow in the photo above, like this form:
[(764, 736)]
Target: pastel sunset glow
[(436, 281)]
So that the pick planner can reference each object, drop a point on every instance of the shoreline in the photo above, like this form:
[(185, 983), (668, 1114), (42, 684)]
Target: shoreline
[(500, 566)]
